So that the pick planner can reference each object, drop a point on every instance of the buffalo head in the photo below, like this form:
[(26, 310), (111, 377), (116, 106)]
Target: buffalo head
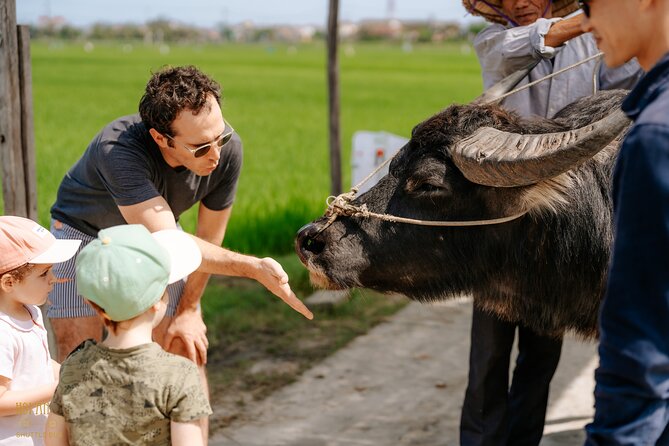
[(546, 268)]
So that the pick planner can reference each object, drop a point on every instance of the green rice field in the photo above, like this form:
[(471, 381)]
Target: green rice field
[(274, 96)]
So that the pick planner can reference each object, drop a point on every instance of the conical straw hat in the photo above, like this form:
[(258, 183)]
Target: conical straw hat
[(491, 9)]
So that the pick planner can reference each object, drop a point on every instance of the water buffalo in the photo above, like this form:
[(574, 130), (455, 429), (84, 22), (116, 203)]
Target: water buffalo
[(546, 268)]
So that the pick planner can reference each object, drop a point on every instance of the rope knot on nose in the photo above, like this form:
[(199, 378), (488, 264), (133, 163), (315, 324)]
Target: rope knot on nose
[(341, 205)]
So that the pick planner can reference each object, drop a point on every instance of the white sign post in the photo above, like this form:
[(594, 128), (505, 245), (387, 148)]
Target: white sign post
[(370, 149)]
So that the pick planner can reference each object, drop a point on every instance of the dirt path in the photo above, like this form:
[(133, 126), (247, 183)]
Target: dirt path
[(403, 384)]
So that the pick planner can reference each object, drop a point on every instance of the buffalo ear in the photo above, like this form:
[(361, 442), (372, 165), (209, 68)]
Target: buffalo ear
[(491, 157)]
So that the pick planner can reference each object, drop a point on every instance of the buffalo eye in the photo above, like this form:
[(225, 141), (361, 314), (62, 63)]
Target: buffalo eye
[(425, 186), (428, 177), (428, 187)]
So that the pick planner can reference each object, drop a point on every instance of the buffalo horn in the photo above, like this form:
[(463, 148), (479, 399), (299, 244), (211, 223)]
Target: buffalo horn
[(505, 85), (494, 158)]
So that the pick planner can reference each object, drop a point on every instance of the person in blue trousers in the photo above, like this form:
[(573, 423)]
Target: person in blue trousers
[(632, 380)]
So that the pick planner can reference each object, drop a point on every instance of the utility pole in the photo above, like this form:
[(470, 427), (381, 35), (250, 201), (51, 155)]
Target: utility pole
[(333, 95)]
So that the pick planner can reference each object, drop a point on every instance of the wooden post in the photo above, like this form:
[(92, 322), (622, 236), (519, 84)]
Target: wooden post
[(27, 126), (13, 186), (333, 95), (17, 143)]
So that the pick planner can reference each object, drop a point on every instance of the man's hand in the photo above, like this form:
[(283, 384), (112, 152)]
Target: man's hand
[(267, 271), (272, 276), (187, 336), (563, 30)]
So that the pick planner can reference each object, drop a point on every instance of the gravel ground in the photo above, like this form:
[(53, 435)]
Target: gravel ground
[(403, 384)]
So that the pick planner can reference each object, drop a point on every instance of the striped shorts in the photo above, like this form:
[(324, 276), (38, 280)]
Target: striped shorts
[(64, 300)]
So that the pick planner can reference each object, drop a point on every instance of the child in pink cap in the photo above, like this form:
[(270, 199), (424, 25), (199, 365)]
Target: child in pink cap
[(28, 375)]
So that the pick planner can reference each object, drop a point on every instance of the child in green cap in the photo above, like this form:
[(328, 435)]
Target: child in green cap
[(127, 389)]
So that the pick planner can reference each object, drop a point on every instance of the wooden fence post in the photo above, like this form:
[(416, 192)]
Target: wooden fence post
[(16, 121), (27, 125)]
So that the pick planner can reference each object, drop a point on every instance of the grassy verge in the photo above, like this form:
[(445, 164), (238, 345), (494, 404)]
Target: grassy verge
[(258, 344), (275, 96)]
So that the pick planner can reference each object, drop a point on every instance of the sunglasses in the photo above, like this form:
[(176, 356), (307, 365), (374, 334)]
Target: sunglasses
[(202, 150), (585, 6)]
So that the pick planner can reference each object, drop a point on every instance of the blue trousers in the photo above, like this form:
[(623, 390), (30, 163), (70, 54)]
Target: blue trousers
[(493, 414)]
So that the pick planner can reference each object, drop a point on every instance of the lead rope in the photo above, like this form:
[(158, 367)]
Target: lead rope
[(533, 83), (341, 205)]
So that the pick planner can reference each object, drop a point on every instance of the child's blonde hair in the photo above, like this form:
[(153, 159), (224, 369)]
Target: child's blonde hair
[(111, 325)]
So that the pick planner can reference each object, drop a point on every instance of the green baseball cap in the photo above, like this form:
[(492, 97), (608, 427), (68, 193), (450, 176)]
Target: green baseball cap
[(126, 269)]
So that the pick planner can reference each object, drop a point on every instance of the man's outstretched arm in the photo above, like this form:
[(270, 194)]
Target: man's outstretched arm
[(156, 214), (267, 271)]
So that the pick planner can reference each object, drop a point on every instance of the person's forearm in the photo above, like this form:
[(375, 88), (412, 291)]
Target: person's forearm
[(56, 431), (193, 291), (186, 434), (209, 236), (564, 30), (218, 260), (16, 402), (267, 271), (501, 50)]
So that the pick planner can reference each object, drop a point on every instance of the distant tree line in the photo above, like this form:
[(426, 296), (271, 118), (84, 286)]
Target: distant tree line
[(167, 31)]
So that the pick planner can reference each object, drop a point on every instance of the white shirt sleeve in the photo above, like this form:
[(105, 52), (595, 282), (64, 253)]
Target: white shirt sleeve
[(502, 50)]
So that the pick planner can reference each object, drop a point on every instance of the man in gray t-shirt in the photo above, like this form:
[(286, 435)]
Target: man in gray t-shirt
[(148, 169), (124, 166)]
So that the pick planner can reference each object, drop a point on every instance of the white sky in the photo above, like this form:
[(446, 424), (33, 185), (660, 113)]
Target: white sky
[(211, 12)]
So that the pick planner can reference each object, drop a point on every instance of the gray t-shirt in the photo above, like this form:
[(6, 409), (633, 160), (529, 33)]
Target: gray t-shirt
[(123, 166)]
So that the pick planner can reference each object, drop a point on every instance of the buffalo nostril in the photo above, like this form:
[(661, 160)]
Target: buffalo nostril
[(312, 245), (308, 241)]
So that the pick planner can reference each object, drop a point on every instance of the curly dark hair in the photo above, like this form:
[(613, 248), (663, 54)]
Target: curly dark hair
[(173, 89), (20, 272)]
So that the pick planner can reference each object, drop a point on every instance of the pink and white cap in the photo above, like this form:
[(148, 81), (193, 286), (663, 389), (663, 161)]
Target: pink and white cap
[(24, 241)]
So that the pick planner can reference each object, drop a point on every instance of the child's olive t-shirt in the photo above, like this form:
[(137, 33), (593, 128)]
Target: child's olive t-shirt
[(127, 396)]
